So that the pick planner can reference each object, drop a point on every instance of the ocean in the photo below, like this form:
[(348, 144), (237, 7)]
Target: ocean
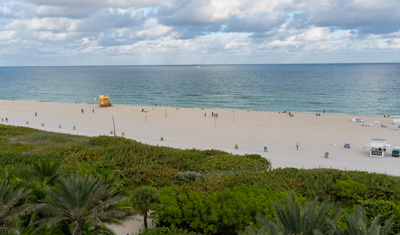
[(368, 89)]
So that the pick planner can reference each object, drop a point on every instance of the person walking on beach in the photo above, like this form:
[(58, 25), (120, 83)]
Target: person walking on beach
[(6, 119), (92, 110), (35, 114), (81, 110), (297, 145)]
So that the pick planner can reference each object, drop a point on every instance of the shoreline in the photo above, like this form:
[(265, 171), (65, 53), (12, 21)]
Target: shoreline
[(235, 109), (252, 130)]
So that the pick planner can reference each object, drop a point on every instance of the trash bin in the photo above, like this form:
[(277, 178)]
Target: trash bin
[(265, 149), (326, 154), (74, 127)]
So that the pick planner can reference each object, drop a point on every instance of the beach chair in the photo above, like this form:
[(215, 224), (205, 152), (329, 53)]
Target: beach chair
[(346, 146)]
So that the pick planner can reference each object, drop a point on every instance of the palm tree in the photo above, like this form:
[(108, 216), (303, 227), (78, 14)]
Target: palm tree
[(82, 201), (306, 220), (142, 198), (46, 171), (357, 224), (267, 228), (9, 208), (293, 219), (66, 229)]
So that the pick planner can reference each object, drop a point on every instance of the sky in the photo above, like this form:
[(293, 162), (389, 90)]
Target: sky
[(158, 32)]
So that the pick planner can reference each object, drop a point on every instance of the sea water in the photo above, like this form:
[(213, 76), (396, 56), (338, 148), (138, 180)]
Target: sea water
[(371, 89)]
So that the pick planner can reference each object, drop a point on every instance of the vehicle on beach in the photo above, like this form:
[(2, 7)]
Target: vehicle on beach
[(396, 152)]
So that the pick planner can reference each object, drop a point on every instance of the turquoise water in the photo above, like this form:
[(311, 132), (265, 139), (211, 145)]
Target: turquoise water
[(371, 89)]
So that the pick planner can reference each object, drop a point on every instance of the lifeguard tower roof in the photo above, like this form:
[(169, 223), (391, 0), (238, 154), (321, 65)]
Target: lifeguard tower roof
[(378, 143)]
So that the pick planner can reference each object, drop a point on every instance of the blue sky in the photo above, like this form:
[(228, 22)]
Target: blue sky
[(136, 32)]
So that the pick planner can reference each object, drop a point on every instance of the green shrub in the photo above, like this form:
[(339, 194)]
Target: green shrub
[(6, 130), (17, 148), (166, 231), (3, 140), (349, 191), (253, 156), (19, 158), (235, 162), (188, 176), (220, 212), (383, 209), (213, 152)]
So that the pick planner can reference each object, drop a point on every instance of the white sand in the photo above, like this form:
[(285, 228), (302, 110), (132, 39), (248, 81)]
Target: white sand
[(252, 131), (131, 226)]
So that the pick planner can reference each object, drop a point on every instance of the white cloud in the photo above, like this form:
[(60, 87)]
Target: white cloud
[(152, 30), (42, 24), (189, 30)]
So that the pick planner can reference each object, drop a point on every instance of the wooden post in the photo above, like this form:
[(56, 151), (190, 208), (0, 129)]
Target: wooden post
[(115, 135)]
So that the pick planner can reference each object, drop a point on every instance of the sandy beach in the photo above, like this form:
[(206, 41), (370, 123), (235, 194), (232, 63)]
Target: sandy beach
[(250, 130)]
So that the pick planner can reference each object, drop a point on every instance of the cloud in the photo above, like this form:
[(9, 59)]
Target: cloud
[(202, 12), (98, 4), (108, 19), (370, 14), (190, 30)]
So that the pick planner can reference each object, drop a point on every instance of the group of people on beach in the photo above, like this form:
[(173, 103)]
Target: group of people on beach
[(214, 115), (82, 110), (289, 113), (388, 115)]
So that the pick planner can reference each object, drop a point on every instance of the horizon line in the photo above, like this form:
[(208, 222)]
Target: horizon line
[(221, 64)]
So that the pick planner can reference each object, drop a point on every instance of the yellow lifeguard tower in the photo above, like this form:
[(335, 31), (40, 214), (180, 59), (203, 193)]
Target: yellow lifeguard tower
[(104, 101)]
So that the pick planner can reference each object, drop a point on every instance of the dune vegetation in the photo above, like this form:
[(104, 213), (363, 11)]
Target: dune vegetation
[(54, 183)]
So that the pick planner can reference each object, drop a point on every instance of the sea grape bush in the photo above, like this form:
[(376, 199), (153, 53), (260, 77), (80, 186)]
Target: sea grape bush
[(235, 162), (221, 212), (14, 130), (166, 231), (349, 190), (383, 209), (187, 176), (157, 166)]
